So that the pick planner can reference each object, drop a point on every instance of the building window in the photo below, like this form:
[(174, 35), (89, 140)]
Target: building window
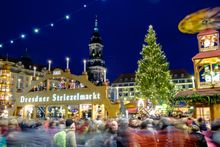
[(182, 75), (189, 80), (131, 84), (174, 81), (175, 75), (131, 89), (131, 93), (182, 81)]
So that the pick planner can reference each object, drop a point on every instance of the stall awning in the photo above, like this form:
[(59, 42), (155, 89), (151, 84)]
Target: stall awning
[(132, 110)]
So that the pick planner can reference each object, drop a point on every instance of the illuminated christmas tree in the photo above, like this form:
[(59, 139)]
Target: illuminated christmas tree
[(153, 78)]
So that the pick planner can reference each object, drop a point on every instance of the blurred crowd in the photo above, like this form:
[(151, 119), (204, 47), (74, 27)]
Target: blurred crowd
[(118, 132)]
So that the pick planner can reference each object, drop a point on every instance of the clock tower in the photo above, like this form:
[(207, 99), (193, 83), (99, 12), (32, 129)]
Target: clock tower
[(96, 65)]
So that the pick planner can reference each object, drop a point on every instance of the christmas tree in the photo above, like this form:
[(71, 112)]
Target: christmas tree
[(153, 79)]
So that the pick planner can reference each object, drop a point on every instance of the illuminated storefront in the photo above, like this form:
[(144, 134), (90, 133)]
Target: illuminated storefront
[(62, 94)]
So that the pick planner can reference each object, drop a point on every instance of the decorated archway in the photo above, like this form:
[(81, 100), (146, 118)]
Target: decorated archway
[(60, 94)]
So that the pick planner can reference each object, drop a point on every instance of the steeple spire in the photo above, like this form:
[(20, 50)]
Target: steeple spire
[(96, 38), (96, 24), (25, 58)]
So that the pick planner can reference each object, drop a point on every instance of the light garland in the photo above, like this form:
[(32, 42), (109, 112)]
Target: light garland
[(36, 30)]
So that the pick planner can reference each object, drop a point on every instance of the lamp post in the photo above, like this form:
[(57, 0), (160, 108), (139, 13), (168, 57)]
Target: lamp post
[(35, 71), (19, 83), (84, 65), (67, 62), (117, 93), (193, 82), (104, 75), (49, 64)]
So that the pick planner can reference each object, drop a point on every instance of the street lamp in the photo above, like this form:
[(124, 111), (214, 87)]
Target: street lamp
[(117, 93), (67, 62), (105, 75), (84, 65), (35, 71), (19, 83), (49, 64), (193, 82)]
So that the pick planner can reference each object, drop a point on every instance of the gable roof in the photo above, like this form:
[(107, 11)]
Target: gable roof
[(207, 54)]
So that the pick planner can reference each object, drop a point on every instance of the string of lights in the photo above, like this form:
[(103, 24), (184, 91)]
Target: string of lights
[(37, 30)]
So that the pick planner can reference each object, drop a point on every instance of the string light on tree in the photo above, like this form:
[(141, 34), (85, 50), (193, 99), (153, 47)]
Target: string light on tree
[(11, 41), (1, 45), (152, 76), (85, 6)]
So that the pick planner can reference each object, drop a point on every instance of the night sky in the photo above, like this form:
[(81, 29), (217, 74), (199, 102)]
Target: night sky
[(122, 25)]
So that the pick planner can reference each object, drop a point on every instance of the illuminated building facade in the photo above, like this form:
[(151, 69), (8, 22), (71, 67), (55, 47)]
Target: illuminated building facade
[(16, 75), (123, 88), (5, 89), (182, 79)]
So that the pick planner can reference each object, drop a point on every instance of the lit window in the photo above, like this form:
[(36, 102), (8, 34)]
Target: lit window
[(182, 75), (175, 75)]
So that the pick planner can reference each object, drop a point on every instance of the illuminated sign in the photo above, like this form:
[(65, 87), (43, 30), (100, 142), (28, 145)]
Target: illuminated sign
[(60, 98)]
